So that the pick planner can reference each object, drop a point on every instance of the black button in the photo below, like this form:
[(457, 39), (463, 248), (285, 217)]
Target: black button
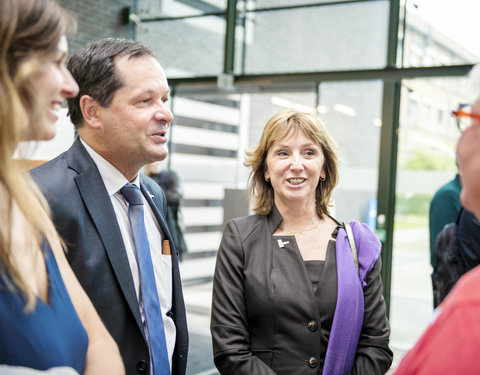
[(142, 366), (313, 362), (312, 325)]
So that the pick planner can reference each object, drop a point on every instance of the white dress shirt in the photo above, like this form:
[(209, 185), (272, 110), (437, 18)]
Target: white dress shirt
[(114, 180)]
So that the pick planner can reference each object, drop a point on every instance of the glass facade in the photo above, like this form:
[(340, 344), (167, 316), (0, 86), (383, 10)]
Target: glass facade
[(352, 113), (426, 161), (187, 47), (150, 9), (282, 40), (315, 38), (288, 3)]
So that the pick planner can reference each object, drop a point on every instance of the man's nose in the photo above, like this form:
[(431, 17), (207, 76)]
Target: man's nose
[(164, 114)]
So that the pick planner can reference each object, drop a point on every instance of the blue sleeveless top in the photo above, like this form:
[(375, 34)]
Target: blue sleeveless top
[(50, 336)]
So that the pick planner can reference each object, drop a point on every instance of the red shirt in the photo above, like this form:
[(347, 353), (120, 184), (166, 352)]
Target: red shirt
[(451, 344)]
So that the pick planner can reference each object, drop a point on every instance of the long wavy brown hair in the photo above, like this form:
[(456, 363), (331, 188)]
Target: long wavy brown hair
[(279, 126), (30, 31)]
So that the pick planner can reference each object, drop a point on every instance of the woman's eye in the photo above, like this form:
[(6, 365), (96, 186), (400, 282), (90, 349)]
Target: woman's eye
[(282, 153), (59, 62)]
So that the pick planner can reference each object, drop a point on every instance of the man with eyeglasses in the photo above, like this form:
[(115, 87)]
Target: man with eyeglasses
[(451, 344)]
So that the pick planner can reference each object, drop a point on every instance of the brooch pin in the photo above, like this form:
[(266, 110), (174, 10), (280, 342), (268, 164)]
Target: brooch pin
[(282, 244)]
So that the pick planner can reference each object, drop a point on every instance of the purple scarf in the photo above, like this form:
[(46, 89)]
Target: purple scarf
[(348, 318)]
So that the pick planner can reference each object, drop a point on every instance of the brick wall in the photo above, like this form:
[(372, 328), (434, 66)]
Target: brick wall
[(97, 19)]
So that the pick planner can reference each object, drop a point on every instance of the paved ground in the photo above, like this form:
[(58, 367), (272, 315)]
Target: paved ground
[(197, 290), (199, 357), (198, 297)]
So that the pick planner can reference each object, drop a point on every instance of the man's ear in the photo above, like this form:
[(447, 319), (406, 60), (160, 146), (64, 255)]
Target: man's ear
[(90, 113)]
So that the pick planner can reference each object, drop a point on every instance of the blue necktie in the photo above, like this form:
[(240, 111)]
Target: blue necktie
[(148, 290)]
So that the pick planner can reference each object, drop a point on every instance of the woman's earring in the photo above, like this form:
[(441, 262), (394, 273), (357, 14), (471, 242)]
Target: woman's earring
[(267, 179)]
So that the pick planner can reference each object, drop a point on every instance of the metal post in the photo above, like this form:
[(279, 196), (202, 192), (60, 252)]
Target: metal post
[(229, 59), (170, 132), (134, 25), (387, 180), (388, 155)]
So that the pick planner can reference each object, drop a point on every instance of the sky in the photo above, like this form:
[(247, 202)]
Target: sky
[(457, 19)]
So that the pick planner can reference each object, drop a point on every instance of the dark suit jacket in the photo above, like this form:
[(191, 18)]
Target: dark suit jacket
[(86, 221)]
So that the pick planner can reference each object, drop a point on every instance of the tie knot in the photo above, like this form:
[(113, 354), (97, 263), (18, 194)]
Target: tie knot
[(132, 194)]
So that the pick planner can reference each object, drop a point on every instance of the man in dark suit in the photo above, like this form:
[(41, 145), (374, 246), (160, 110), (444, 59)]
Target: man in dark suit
[(122, 119)]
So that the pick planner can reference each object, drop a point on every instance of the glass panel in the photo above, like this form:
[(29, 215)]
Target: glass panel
[(426, 161), (214, 189), (179, 8), (321, 38), (352, 112), (277, 3), (188, 47), (264, 106), (441, 32), (206, 144)]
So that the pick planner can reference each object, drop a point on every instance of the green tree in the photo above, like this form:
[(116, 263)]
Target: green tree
[(424, 160)]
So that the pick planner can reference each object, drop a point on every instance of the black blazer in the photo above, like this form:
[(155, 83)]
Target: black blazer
[(265, 317), (85, 219)]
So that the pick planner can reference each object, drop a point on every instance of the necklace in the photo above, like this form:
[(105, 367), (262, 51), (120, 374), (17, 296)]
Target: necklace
[(302, 231)]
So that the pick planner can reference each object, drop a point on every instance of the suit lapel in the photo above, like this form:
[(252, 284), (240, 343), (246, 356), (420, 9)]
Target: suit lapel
[(290, 274), (155, 201), (99, 206)]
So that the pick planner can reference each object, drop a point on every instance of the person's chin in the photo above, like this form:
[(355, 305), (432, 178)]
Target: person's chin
[(43, 133), (161, 153), (48, 132)]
